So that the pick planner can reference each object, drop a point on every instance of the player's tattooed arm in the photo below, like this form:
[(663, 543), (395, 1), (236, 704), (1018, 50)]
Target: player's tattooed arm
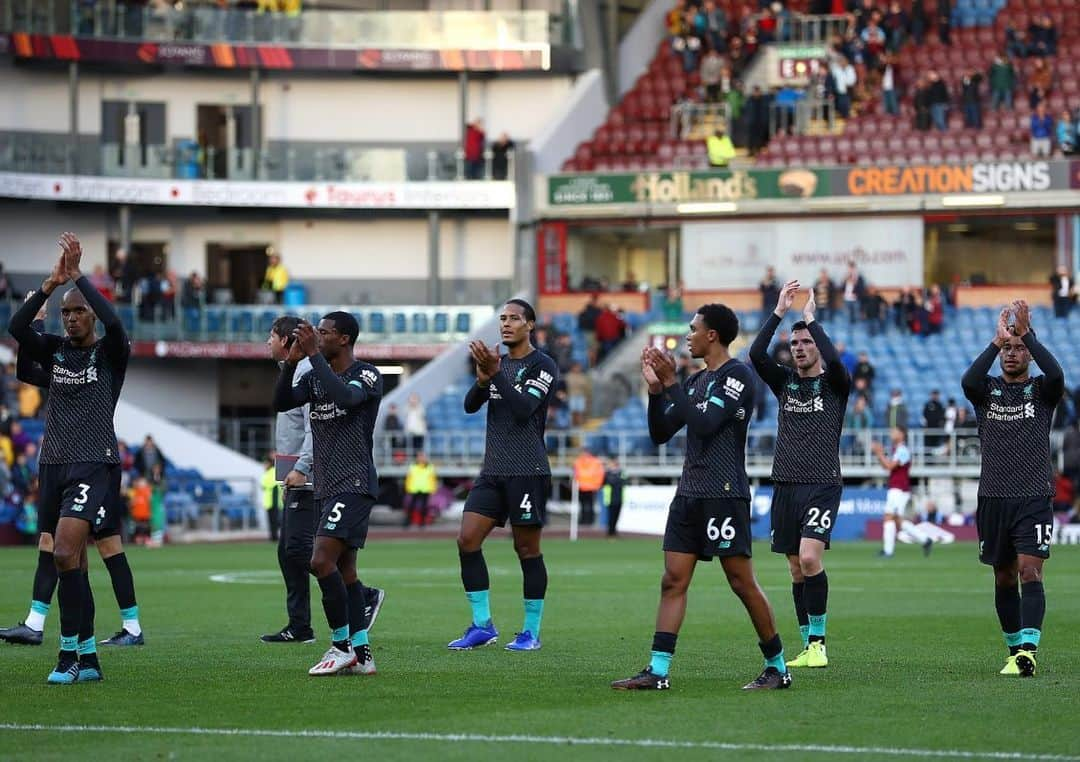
[(1053, 384), (974, 379), (536, 385), (771, 372)]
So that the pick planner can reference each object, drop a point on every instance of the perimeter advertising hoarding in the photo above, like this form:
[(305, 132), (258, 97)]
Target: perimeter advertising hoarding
[(665, 188), (726, 255)]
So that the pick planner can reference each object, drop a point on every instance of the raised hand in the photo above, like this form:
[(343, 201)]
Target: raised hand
[(663, 365), (647, 372), (58, 276), (1022, 312), (787, 296), (1002, 334), (72, 257), (488, 362), (810, 307), (305, 343)]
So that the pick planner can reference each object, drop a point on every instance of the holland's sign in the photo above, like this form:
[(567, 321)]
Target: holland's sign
[(116, 190)]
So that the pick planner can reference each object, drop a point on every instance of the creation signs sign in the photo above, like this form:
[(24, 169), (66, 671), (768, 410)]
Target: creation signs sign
[(657, 189), (722, 255), (403, 195)]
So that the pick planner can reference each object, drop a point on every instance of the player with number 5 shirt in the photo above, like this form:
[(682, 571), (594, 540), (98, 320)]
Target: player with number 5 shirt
[(1015, 513), (515, 480)]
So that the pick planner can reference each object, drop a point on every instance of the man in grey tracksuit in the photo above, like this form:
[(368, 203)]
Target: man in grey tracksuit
[(293, 456)]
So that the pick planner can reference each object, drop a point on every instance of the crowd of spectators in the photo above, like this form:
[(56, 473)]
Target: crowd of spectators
[(478, 153)]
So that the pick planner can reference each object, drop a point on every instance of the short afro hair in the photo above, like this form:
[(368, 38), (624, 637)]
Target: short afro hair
[(722, 319), (345, 324)]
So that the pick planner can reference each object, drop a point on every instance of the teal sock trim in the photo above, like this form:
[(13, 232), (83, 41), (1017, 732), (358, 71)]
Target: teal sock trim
[(534, 612), (817, 626), (777, 662), (1030, 635), (660, 663), (39, 608), (340, 634), (1012, 639), (130, 613), (804, 630), (480, 601), (359, 638), (69, 644), (88, 646)]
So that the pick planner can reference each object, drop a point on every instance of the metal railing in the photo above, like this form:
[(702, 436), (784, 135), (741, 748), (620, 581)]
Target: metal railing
[(797, 117), (799, 27), (698, 120), (188, 22), (936, 453), (169, 320), (281, 161)]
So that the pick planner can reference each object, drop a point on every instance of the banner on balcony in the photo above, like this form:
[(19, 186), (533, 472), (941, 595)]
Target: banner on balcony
[(282, 57), (730, 255), (117, 190)]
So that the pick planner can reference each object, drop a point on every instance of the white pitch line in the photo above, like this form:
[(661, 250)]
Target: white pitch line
[(648, 743)]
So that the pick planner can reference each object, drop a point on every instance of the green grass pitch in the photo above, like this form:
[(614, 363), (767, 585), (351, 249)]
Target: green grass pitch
[(914, 648)]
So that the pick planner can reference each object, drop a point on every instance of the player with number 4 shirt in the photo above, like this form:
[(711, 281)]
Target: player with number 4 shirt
[(806, 465), (710, 515), (1015, 514), (515, 480)]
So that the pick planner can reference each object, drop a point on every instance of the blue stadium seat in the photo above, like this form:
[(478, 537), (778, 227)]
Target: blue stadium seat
[(193, 322), (359, 318), (420, 322), (377, 322), (242, 322), (266, 322), (399, 323), (463, 323), (441, 323)]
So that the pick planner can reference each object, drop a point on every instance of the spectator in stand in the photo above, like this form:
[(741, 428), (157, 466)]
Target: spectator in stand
[(589, 474), (540, 340), (193, 292), (672, 305), (415, 422), (610, 329), (1002, 82), (562, 352), (125, 275), (824, 295), (392, 423), (766, 26), (921, 101), (716, 25), (29, 401), (721, 149), (770, 291), (1063, 293), (1042, 128), (933, 417), (586, 321), (896, 414), (874, 43), (917, 315), (939, 101), (1042, 36), (500, 157), (712, 73), (20, 440), (276, 277), (847, 357), (875, 309), (944, 21), (918, 21), (865, 371), (862, 11), (1040, 82), (890, 94), (1067, 137), (858, 420), (896, 25), (688, 48), (781, 351), (103, 283), (841, 82), (148, 456), (757, 109), (475, 138), (972, 98), (675, 18), (935, 311), (854, 292), (579, 394)]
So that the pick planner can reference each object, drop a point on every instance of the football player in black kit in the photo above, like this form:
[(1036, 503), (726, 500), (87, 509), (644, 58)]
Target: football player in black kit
[(710, 515), (1015, 515), (343, 395), (79, 458), (806, 463)]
